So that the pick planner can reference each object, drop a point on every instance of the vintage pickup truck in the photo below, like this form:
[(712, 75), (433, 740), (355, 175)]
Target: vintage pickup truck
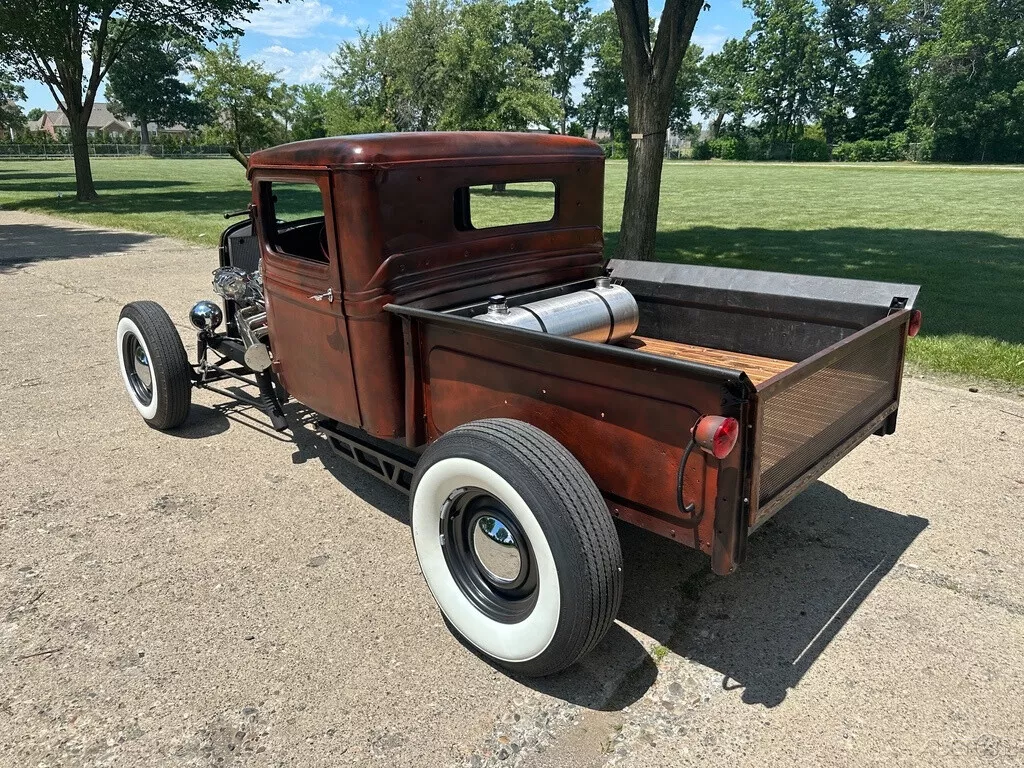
[(442, 302)]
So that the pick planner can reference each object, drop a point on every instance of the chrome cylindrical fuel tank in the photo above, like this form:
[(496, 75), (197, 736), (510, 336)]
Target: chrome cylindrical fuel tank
[(605, 313)]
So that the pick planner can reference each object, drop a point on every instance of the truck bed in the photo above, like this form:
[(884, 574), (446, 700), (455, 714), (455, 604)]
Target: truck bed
[(809, 367), (758, 369)]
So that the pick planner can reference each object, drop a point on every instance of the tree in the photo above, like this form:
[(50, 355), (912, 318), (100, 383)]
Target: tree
[(724, 77), (421, 77), (554, 31), (882, 104), (144, 83), (11, 116), (70, 46), (688, 83), (493, 84), (36, 113), (240, 94), (786, 65), (364, 94), (604, 98), (650, 67), (842, 38), (970, 87), (309, 119)]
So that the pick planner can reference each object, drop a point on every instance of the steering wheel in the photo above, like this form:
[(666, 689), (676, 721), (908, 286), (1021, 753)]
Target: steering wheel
[(323, 243)]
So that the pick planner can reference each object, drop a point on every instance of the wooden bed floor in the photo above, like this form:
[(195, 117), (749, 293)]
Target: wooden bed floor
[(758, 369)]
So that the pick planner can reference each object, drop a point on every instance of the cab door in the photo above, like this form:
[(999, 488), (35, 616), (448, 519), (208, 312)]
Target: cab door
[(302, 284)]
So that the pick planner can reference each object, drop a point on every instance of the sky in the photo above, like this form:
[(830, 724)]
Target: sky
[(297, 39)]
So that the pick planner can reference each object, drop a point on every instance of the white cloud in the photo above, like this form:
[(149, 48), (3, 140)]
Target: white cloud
[(299, 18), (711, 42), (295, 67)]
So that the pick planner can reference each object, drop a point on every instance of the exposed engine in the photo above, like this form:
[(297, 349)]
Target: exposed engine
[(245, 289)]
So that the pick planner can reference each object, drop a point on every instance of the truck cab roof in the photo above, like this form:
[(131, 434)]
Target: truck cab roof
[(436, 148)]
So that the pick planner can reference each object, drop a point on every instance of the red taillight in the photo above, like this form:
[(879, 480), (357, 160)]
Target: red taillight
[(716, 435), (915, 323)]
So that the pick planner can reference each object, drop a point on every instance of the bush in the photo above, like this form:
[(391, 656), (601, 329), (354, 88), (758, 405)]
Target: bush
[(925, 149), (702, 150), (757, 149), (810, 149), (896, 146), (729, 148)]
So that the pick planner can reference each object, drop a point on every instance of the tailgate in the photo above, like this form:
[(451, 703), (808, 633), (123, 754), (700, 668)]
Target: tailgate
[(813, 414)]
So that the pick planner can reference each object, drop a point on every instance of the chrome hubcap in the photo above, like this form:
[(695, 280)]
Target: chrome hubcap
[(142, 367), (497, 550), (488, 554), (136, 367)]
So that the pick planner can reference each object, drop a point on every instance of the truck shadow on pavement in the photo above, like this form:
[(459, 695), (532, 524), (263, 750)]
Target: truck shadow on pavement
[(613, 675), (807, 572)]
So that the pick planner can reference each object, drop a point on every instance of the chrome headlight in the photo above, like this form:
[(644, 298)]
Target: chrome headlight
[(205, 316)]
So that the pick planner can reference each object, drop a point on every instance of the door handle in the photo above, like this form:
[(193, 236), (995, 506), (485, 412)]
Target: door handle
[(328, 295)]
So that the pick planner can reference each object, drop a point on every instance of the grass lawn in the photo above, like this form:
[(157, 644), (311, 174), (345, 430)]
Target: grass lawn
[(957, 231)]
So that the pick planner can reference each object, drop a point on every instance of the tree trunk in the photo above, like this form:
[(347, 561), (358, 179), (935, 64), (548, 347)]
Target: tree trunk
[(650, 73), (716, 127), (643, 187), (239, 155), (143, 135), (85, 189)]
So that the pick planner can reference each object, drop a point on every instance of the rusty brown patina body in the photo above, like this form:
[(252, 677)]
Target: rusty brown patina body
[(523, 390), (388, 358)]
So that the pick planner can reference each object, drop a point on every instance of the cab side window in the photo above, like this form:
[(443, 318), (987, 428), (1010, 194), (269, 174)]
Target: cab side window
[(294, 219)]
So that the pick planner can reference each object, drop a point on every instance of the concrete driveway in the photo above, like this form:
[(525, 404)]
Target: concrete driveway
[(225, 595)]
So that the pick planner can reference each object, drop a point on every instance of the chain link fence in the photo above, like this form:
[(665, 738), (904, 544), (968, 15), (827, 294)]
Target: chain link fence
[(787, 152), (58, 151)]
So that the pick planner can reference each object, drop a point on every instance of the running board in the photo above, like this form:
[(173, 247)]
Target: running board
[(394, 470)]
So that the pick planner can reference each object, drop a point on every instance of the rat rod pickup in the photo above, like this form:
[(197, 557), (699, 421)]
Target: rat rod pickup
[(442, 303)]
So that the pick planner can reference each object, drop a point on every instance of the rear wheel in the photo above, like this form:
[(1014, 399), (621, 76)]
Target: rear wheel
[(516, 545), (154, 365)]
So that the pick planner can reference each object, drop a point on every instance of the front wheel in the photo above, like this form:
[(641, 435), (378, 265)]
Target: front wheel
[(154, 365), (516, 545)]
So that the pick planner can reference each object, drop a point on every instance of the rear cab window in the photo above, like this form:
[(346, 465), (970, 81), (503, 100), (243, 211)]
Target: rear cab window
[(505, 204)]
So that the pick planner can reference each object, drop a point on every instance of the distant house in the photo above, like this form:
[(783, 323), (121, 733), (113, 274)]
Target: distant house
[(102, 119), (55, 122)]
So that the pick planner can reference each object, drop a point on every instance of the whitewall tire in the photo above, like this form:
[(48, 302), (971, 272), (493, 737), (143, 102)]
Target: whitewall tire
[(516, 545), (153, 364)]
